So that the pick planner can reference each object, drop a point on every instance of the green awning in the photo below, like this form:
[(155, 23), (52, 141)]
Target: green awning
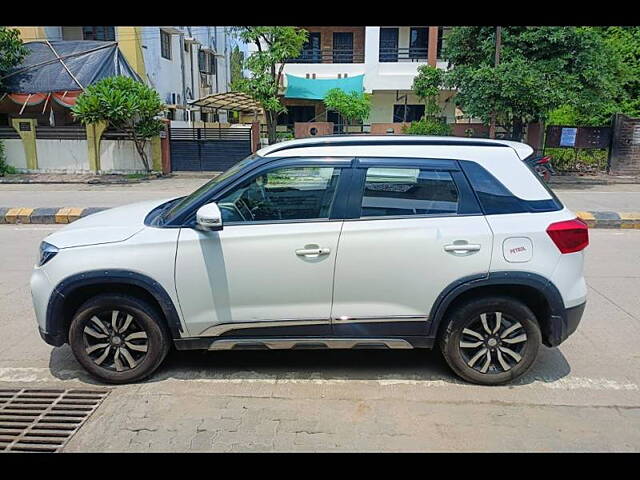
[(316, 88)]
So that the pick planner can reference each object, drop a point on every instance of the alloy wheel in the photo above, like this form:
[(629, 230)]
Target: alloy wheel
[(493, 343), (114, 340)]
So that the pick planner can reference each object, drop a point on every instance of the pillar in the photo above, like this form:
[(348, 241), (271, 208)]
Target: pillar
[(26, 128)]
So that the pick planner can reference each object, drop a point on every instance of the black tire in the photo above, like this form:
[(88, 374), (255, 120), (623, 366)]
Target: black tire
[(458, 348), (144, 318)]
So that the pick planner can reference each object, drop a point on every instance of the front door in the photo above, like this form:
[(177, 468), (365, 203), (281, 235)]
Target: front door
[(269, 271), (414, 234)]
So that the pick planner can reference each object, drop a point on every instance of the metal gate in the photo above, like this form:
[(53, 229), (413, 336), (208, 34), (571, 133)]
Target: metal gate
[(208, 149)]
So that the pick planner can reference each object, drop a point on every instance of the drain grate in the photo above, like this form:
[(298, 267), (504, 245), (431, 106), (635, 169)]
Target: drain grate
[(43, 420)]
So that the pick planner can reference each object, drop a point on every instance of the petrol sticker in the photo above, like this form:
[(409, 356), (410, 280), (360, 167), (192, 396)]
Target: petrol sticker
[(517, 249)]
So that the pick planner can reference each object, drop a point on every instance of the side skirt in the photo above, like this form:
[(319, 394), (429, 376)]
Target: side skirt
[(297, 343)]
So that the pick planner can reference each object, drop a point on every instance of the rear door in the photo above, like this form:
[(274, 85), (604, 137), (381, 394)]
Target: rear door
[(413, 228)]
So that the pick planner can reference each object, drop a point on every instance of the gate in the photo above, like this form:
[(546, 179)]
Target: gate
[(208, 149)]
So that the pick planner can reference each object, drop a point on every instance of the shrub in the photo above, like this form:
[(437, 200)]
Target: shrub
[(427, 126)]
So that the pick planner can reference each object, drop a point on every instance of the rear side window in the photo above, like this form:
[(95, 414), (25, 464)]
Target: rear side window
[(408, 191), (496, 199)]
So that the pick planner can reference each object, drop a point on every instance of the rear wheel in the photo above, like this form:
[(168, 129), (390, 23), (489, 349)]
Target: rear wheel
[(491, 340), (118, 338)]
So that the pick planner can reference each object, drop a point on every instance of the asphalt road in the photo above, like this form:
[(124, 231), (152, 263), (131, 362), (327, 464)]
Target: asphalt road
[(582, 396), (619, 197)]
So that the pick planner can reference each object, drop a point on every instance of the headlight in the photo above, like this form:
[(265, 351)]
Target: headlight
[(47, 252)]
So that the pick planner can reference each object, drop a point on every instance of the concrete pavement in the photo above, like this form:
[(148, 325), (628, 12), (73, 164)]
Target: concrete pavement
[(582, 396)]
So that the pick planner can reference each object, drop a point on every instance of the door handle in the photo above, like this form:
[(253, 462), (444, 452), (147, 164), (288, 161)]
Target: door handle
[(308, 252), (462, 247)]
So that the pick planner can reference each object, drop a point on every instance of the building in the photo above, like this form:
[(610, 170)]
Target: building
[(181, 63), (381, 61)]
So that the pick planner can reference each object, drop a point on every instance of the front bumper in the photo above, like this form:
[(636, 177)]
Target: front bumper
[(560, 327), (56, 340)]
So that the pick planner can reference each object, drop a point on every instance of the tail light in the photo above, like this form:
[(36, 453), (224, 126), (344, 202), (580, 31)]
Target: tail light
[(569, 236), (544, 160)]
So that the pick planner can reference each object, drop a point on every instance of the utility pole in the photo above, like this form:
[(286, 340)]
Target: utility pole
[(492, 124)]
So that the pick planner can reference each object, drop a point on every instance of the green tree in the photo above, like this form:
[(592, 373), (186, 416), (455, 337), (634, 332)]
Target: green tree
[(236, 61), (624, 50), (541, 68), (426, 85), (353, 106), (126, 105), (275, 46), (12, 51)]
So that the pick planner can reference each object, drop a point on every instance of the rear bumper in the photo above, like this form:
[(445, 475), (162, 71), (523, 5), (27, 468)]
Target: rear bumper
[(561, 326)]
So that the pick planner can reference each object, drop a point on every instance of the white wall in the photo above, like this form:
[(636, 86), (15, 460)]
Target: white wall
[(62, 155), (72, 156), (14, 152), (166, 75), (382, 103), (121, 156)]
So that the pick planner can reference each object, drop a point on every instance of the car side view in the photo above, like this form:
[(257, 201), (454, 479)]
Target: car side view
[(329, 242)]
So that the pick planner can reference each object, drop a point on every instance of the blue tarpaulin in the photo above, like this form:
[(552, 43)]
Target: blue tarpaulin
[(316, 88), (66, 65)]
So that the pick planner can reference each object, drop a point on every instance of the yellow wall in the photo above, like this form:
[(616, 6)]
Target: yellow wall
[(29, 34), (129, 41)]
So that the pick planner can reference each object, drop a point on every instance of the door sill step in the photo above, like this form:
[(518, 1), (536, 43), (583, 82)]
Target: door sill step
[(308, 343)]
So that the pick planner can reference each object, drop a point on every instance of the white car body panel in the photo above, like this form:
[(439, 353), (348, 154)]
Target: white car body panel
[(397, 267), (564, 270), (246, 273), (150, 252), (108, 226)]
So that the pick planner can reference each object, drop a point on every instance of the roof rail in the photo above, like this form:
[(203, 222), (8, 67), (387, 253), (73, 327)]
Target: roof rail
[(342, 140)]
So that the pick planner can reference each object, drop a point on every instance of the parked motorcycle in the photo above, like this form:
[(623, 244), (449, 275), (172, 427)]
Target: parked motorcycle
[(542, 166)]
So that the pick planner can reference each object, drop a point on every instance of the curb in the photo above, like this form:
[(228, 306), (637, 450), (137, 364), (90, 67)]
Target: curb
[(45, 215), (53, 215), (611, 219)]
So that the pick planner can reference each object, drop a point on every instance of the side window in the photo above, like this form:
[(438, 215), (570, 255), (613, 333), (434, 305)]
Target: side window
[(408, 191), (289, 193), (496, 199)]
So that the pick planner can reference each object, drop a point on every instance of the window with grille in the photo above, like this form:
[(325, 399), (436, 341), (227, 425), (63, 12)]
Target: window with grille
[(165, 45), (104, 34)]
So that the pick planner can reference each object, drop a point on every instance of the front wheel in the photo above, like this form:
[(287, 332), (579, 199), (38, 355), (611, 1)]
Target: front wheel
[(118, 338), (491, 341)]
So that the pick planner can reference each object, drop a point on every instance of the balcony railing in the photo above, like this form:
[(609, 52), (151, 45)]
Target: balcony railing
[(410, 54), (325, 55)]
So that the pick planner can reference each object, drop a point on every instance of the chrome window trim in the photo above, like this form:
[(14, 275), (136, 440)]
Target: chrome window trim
[(390, 318)]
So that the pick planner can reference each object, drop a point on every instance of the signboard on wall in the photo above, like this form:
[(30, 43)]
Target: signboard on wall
[(568, 136)]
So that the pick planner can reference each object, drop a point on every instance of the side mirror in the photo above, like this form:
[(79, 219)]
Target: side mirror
[(209, 218)]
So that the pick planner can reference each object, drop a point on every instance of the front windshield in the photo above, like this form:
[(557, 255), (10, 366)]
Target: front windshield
[(187, 202)]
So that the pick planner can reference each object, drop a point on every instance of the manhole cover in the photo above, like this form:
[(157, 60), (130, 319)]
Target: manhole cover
[(43, 420)]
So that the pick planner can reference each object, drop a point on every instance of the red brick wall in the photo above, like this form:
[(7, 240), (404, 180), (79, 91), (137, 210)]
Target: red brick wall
[(381, 128), (625, 150), (326, 40), (303, 129), (479, 129)]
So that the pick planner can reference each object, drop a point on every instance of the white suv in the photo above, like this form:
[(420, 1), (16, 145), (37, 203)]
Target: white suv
[(350, 242)]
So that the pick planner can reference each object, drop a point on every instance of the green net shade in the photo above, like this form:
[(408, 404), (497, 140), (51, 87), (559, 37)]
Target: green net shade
[(316, 88)]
